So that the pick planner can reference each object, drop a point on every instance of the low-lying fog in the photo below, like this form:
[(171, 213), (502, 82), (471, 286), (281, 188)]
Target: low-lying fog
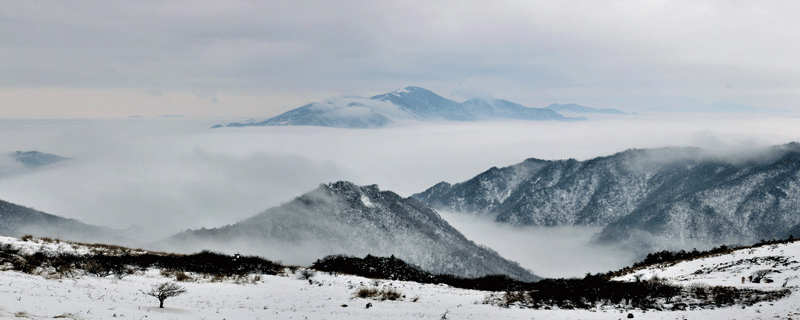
[(172, 174), (554, 252)]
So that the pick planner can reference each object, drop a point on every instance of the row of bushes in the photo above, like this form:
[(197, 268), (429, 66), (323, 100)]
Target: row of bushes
[(101, 264), (392, 268), (596, 290)]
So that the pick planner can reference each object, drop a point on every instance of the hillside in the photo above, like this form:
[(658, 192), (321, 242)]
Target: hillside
[(674, 197), (342, 218), (16, 220), (771, 266)]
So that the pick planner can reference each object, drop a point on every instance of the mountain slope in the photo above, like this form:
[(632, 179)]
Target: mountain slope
[(426, 105), (408, 104), (327, 114), (342, 218), (748, 267), (16, 220), (680, 196), (504, 109), (722, 203)]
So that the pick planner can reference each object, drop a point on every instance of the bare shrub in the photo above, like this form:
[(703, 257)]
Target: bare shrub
[(29, 263), (385, 293), (66, 264), (366, 292), (121, 270), (165, 290), (307, 274), (183, 277), (390, 293), (97, 268)]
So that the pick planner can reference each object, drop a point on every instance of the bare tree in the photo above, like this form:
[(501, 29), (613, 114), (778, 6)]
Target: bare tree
[(165, 290)]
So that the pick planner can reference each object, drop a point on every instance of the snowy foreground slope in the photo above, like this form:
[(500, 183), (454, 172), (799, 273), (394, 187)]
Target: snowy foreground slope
[(287, 296), (778, 264)]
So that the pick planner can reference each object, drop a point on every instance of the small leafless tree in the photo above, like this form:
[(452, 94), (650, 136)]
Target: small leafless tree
[(165, 290)]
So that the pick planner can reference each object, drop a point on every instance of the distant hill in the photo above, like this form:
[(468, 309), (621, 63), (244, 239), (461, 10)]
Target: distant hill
[(342, 218), (16, 220), (35, 159), (575, 108), (409, 104)]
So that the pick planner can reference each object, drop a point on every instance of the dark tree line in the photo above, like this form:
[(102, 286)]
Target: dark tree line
[(392, 268), (597, 290), (120, 265)]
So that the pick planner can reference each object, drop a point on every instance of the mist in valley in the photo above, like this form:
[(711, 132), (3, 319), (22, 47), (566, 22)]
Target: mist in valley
[(552, 252), (156, 177)]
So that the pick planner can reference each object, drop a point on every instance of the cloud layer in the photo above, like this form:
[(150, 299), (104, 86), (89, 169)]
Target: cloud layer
[(171, 174)]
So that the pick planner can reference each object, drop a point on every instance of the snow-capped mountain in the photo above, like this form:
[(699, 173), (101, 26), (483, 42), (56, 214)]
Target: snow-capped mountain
[(408, 104), (576, 108), (425, 105), (679, 196), (342, 218), (16, 220)]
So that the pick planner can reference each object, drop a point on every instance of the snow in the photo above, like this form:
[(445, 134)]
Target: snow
[(367, 202), (728, 269), (287, 296)]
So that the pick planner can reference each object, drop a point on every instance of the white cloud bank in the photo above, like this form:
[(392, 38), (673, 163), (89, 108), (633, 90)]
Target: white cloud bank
[(167, 175)]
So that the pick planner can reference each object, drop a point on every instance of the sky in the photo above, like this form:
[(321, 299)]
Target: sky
[(112, 59)]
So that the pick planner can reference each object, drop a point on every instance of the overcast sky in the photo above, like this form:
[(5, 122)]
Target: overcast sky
[(79, 59)]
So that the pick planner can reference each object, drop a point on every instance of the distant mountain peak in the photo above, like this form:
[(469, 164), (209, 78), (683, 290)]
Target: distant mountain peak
[(408, 104), (410, 92)]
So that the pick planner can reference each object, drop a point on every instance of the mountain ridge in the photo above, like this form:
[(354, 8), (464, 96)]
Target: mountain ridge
[(342, 218), (17, 220), (407, 104), (682, 196)]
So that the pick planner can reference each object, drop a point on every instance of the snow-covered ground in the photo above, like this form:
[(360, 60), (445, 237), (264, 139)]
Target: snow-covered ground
[(780, 262), (287, 296)]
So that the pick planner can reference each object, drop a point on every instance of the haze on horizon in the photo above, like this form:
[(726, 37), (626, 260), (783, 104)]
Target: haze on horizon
[(86, 59), (165, 175)]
